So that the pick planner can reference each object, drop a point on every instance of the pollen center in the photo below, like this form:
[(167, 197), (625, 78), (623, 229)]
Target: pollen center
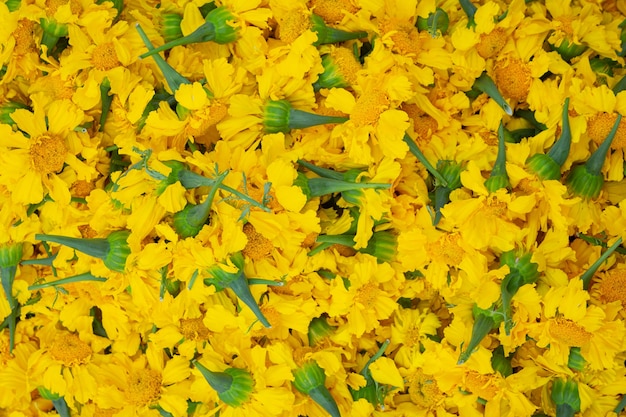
[(423, 124), (346, 63), (258, 246), (293, 25), (446, 249), (568, 332), (599, 126), (144, 387), (423, 390), (194, 329), (104, 57), (332, 11), (613, 286), (53, 5), (491, 43), (369, 107), (70, 350), (24, 37), (513, 78), (480, 385), (48, 154), (405, 37), (367, 294)]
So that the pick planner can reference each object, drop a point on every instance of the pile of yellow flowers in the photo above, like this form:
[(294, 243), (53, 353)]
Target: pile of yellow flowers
[(312, 208)]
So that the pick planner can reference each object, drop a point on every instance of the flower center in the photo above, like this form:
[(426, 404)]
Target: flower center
[(48, 154), (480, 385), (70, 350), (104, 57), (565, 25), (258, 246), (53, 5), (491, 43), (366, 295), (82, 188), (599, 126), (514, 79), (423, 124), (332, 11), (568, 332), (105, 412), (613, 286), (194, 329), (346, 63), (144, 387), (423, 390), (405, 37), (369, 107), (24, 37), (495, 207), (446, 249), (293, 25), (87, 232)]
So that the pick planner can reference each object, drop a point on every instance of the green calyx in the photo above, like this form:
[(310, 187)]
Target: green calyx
[(327, 34), (331, 77), (586, 180), (436, 22), (172, 77), (170, 28), (485, 84), (309, 379), (10, 254), (13, 5), (319, 329), (176, 167), (382, 245), (7, 108), (569, 50), (372, 391), (575, 360), (485, 320), (113, 250), (501, 363), (217, 28), (566, 397), (233, 386), (499, 178), (548, 166), (280, 116), (238, 283), (189, 221)]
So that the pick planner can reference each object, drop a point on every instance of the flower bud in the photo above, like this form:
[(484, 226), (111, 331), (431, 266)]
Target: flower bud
[(319, 329), (113, 249), (586, 180), (309, 379), (233, 386), (280, 116)]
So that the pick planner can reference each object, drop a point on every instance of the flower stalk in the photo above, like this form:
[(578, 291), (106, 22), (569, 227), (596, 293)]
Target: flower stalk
[(499, 178), (327, 34), (372, 392), (233, 386), (280, 116), (485, 84), (309, 379), (548, 166), (10, 257), (415, 150), (484, 322)]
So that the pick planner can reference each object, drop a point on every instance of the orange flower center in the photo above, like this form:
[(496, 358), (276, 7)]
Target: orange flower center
[(48, 154), (513, 79), (446, 249), (369, 107), (24, 37), (405, 37), (423, 124), (82, 188), (70, 350), (53, 5), (568, 332), (613, 286), (599, 126), (332, 11), (144, 387), (104, 57), (367, 294), (423, 390), (481, 385), (194, 329), (495, 207), (258, 246), (491, 43), (293, 25), (346, 63)]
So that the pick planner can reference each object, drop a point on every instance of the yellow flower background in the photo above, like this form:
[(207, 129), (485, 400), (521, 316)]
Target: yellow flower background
[(312, 208)]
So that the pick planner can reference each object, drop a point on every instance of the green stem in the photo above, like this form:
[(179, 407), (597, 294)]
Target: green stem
[(596, 160), (485, 84), (205, 33), (415, 150), (299, 119), (587, 275), (241, 288), (69, 280), (106, 99), (98, 247), (560, 150), (470, 10)]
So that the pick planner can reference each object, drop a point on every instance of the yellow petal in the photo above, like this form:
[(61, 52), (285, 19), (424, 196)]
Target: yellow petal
[(384, 371)]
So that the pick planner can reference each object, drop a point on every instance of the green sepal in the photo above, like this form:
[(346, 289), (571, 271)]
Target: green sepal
[(451, 172), (575, 360), (548, 166), (176, 167), (280, 116), (106, 99), (234, 386), (172, 77), (485, 84), (238, 283), (415, 150), (170, 26), (485, 320), (569, 50), (319, 329), (309, 379), (327, 34), (566, 397), (470, 10), (586, 180), (51, 33), (113, 250), (521, 263), (438, 21), (189, 221), (501, 363), (331, 77), (372, 391), (499, 178), (13, 5)]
